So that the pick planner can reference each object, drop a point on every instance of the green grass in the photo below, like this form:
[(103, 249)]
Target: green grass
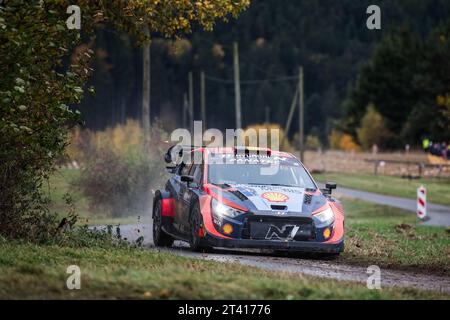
[(60, 183), (392, 238), (387, 237), (29, 271), (375, 234), (438, 190)]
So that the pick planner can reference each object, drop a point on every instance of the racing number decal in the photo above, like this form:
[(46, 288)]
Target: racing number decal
[(288, 232)]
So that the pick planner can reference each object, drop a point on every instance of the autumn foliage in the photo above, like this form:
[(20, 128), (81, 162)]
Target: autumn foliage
[(42, 75)]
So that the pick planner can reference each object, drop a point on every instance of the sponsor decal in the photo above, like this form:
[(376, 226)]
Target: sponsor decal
[(288, 232), (254, 193), (275, 197)]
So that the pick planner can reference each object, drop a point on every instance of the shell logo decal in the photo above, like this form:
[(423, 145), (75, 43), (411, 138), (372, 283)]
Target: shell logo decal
[(275, 197)]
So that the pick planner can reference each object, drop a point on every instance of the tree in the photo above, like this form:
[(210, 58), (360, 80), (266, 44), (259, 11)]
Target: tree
[(42, 75), (387, 81), (407, 79), (373, 129)]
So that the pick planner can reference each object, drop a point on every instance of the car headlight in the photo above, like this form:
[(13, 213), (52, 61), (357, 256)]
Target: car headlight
[(221, 210), (324, 218)]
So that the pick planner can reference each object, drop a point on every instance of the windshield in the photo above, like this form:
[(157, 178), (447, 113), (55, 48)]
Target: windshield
[(290, 173)]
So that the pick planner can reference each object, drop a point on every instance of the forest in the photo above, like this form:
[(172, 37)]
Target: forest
[(344, 65)]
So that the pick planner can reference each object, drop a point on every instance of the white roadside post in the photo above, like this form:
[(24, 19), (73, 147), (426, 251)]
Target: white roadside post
[(421, 203)]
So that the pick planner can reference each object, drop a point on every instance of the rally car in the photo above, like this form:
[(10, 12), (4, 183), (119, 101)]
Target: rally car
[(222, 197)]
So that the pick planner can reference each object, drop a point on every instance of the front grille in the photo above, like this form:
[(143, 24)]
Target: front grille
[(278, 228)]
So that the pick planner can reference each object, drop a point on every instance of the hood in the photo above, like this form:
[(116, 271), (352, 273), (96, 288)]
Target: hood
[(267, 198)]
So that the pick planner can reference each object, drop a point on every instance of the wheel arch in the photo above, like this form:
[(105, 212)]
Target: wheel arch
[(195, 201), (159, 195)]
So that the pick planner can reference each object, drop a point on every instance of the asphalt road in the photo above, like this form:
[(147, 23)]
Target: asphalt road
[(439, 215), (307, 265)]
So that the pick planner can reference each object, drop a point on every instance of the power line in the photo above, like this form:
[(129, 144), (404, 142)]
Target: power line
[(230, 81), (247, 60)]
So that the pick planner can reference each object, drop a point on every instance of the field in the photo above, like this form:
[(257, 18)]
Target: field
[(396, 163), (388, 237), (438, 190), (392, 238), (37, 272)]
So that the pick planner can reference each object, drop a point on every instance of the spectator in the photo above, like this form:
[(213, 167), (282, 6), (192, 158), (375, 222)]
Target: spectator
[(426, 144)]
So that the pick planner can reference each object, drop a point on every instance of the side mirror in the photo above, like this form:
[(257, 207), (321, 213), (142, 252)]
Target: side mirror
[(187, 179), (330, 186)]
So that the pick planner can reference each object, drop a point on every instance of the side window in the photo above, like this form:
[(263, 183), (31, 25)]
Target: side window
[(196, 172), (185, 169)]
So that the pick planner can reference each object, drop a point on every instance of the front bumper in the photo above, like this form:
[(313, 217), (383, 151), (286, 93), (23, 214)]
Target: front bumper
[(290, 245)]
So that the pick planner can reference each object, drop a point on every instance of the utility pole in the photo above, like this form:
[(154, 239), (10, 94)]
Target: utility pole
[(203, 98), (237, 85), (301, 114), (185, 111), (146, 92), (290, 116), (191, 101)]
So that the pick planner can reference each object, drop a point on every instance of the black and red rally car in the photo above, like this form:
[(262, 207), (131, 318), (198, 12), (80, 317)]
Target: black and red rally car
[(225, 199)]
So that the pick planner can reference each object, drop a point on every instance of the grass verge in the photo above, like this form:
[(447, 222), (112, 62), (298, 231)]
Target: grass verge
[(392, 238), (375, 234), (29, 271), (438, 190)]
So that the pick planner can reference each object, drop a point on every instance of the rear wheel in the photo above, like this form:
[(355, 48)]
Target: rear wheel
[(196, 229), (160, 237)]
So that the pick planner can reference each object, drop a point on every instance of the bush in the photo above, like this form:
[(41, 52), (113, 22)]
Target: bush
[(117, 175), (373, 129), (283, 142), (35, 92), (312, 142), (342, 141)]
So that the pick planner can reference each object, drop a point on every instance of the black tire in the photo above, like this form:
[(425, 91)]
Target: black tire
[(329, 256), (195, 223), (160, 238)]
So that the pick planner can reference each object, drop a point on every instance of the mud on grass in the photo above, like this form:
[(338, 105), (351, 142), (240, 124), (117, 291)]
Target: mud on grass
[(28, 271), (392, 238)]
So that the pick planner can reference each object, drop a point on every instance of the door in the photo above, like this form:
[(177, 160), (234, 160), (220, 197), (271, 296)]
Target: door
[(180, 198), (190, 194)]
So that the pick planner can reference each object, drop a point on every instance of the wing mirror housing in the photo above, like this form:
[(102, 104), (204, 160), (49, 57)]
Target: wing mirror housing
[(187, 179), (330, 186)]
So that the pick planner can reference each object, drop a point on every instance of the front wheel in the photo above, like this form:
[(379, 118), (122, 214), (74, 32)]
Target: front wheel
[(196, 229), (160, 238)]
